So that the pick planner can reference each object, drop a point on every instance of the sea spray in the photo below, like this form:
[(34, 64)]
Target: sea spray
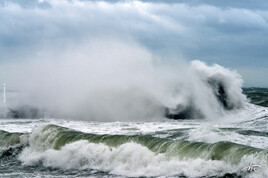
[(112, 80)]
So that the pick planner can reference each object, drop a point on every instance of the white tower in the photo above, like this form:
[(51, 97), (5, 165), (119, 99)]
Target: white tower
[(4, 94)]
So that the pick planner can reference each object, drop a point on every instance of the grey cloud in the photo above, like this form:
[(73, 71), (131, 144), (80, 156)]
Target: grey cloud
[(231, 33), (27, 3)]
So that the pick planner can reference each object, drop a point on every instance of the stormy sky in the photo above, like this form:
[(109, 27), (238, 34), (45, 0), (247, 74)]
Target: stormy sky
[(230, 33)]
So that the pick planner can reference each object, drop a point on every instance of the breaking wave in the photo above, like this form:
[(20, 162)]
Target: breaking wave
[(131, 155), (198, 91), (210, 92)]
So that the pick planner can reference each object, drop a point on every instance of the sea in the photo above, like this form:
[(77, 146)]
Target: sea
[(234, 145)]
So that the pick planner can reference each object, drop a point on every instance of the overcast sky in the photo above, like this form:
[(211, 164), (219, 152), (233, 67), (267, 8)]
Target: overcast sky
[(231, 33)]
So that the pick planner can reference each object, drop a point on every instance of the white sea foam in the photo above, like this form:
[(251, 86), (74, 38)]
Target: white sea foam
[(128, 159)]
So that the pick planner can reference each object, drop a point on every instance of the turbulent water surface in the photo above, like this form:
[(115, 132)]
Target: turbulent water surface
[(193, 148)]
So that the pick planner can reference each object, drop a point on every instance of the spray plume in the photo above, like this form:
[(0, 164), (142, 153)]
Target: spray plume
[(114, 80)]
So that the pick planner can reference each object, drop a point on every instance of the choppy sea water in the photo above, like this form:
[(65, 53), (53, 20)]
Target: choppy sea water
[(221, 147)]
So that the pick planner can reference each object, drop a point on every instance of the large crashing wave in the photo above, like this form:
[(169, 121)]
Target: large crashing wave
[(205, 92), (136, 155), (210, 92), (122, 82)]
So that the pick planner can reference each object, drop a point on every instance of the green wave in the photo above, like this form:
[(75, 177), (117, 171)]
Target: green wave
[(54, 137), (8, 139)]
